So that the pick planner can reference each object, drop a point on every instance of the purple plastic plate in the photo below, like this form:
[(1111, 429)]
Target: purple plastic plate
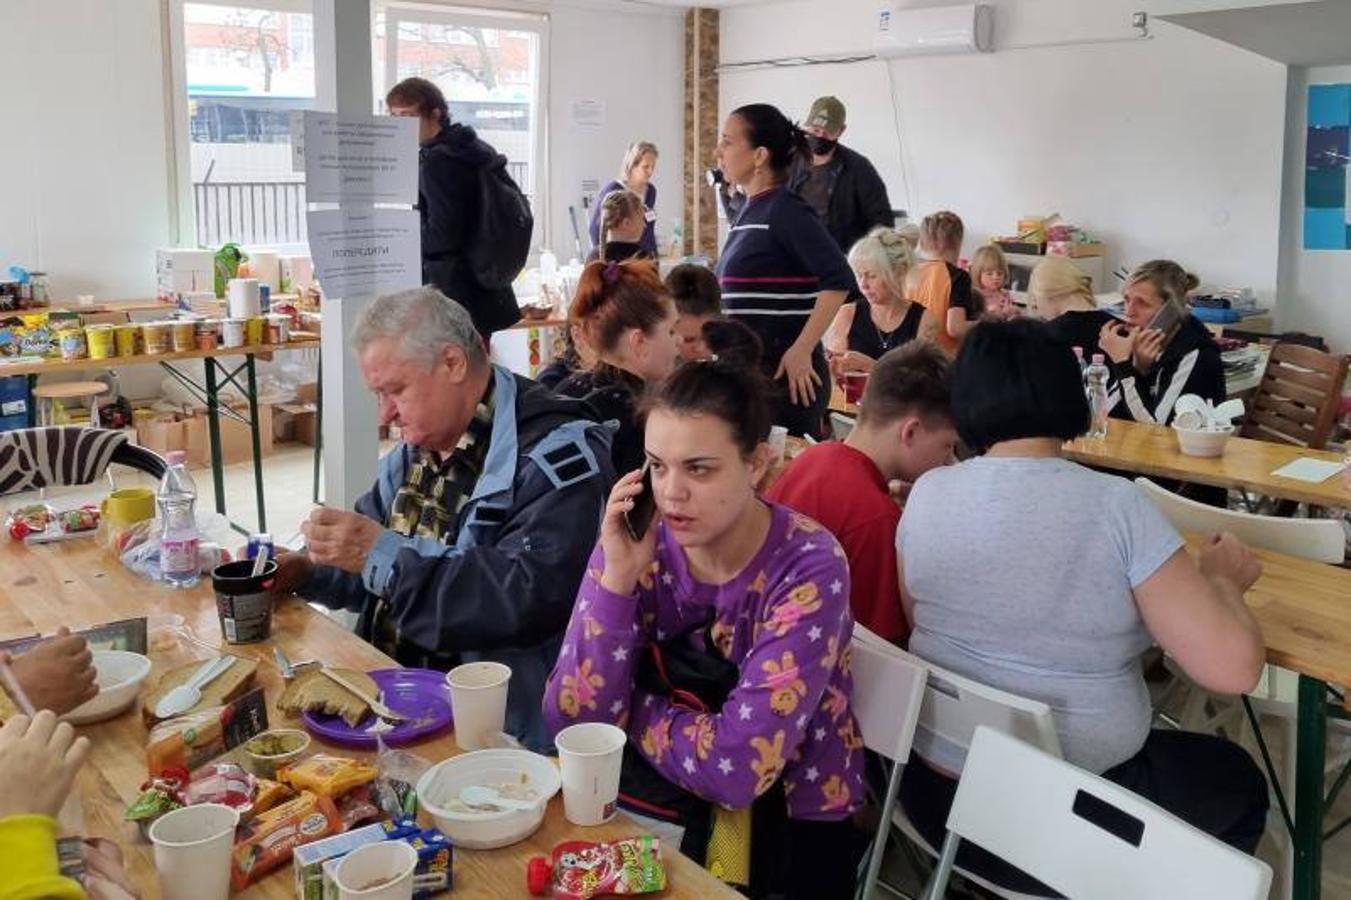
[(419, 694)]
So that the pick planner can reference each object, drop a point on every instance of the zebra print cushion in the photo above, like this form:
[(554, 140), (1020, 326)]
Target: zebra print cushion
[(53, 457)]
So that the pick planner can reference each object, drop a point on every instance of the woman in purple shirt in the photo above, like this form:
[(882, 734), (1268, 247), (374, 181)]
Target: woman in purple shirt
[(765, 588)]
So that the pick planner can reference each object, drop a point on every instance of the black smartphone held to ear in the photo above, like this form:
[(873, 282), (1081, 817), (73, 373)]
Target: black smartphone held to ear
[(638, 519), (1168, 320)]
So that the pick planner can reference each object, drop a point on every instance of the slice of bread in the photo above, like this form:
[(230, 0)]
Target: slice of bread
[(313, 690), (233, 684)]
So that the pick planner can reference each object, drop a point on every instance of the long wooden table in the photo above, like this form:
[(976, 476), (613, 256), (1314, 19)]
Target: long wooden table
[(1247, 464), (1304, 612), (76, 584)]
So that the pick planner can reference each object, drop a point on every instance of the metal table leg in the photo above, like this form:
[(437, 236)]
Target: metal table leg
[(257, 440), (1309, 761), (213, 432)]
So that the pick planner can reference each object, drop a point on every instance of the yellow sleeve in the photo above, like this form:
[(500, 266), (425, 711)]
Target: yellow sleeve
[(31, 870)]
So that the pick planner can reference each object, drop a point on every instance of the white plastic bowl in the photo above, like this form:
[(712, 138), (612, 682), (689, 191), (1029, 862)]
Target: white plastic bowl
[(1203, 443), (120, 674), (487, 830)]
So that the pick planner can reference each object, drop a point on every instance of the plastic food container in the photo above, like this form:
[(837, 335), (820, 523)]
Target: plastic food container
[(1193, 442), (127, 339), (120, 674), (207, 331), (100, 341), (72, 344), (157, 337), (442, 783), (265, 765)]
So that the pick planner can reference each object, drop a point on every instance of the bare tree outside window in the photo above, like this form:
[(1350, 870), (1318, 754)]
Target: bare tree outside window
[(257, 39)]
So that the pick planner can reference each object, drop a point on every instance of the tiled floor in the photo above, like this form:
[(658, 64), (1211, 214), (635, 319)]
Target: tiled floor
[(288, 483)]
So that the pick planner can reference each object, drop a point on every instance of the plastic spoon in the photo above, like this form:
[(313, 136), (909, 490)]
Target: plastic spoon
[(480, 796), (185, 696)]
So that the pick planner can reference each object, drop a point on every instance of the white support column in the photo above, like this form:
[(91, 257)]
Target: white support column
[(350, 444)]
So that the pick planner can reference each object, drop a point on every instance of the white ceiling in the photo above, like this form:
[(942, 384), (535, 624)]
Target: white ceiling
[(1299, 34)]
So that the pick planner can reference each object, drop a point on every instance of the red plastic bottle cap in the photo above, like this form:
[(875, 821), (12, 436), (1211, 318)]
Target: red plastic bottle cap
[(539, 873)]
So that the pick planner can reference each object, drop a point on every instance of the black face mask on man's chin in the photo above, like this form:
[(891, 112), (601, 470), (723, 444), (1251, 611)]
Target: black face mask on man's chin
[(822, 146)]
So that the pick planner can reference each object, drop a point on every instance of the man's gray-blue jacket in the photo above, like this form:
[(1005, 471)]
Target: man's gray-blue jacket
[(502, 586)]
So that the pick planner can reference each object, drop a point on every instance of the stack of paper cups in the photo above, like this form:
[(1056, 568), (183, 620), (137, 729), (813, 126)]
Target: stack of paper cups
[(243, 298), (267, 267)]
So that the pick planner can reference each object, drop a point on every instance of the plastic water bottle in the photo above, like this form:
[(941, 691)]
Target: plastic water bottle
[(178, 523), (1095, 385), (1079, 357)]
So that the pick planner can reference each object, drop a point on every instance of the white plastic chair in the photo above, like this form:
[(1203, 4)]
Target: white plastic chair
[(954, 708), (1321, 540), (1083, 835), (888, 691)]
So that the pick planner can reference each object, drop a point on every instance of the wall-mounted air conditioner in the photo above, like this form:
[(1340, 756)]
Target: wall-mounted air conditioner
[(925, 31)]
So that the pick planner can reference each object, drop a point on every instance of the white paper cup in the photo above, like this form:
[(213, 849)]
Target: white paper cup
[(478, 702), (590, 755), (192, 851), (381, 871), (778, 442)]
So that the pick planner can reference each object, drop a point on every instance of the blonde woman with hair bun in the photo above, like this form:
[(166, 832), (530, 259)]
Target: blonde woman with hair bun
[(863, 331), (635, 175), (1063, 295)]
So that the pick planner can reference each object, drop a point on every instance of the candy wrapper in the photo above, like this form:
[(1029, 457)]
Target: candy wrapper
[(223, 783), (266, 842), (580, 870), (328, 776), (31, 519), (160, 795), (399, 772)]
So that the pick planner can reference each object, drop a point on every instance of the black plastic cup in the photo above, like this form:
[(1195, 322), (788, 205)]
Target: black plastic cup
[(243, 602)]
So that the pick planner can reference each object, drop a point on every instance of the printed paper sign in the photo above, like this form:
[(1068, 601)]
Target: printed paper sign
[(367, 251), (360, 160)]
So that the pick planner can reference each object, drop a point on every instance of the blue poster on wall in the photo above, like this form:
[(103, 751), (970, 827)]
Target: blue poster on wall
[(1327, 215)]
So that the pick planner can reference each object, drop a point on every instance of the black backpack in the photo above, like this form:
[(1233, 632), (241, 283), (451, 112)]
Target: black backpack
[(501, 242)]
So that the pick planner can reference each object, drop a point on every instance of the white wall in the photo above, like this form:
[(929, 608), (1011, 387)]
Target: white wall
[(1315, 285), (633, 63), (1167, 147), (83, 184)]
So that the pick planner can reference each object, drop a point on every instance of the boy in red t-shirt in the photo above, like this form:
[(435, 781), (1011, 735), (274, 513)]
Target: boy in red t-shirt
[(904, 429)]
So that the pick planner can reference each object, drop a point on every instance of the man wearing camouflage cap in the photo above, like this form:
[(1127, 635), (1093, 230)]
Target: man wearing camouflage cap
[(839, 183)]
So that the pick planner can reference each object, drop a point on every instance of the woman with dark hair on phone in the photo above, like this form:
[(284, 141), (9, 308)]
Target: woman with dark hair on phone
[(625, 317), (1155, 365), (748, 589), (781, 272)]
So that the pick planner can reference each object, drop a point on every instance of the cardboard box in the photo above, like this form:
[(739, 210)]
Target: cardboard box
[(307, 428), (162, 433), (295, 422), (308, 392), (236, 443), (104, 318)]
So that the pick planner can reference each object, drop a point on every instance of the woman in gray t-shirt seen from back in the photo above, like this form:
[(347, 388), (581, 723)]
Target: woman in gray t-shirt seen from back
[(1027, 572)]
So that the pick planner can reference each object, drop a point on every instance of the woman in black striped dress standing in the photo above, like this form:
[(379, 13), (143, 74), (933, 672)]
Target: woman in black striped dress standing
[(780, 270)]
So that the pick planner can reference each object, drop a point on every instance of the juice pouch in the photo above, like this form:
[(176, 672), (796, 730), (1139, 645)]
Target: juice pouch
[(580, 870)]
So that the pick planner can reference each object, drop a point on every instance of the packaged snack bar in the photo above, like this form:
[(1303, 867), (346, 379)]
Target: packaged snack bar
[(328, 776), (266, 842), (191, 741), (580, 870), (269, 794)]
